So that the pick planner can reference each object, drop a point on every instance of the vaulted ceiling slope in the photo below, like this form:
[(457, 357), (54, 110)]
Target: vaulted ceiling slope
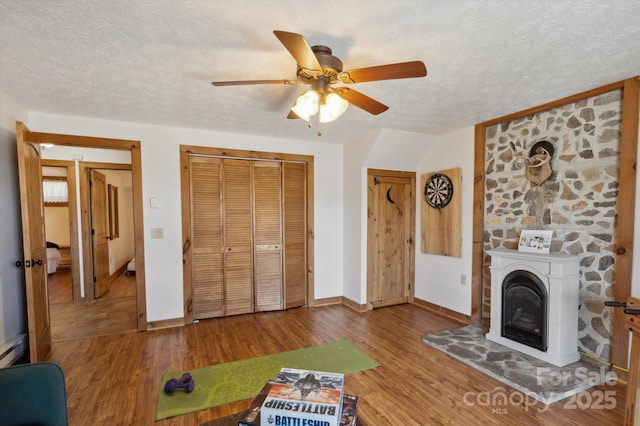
[(152, 61)]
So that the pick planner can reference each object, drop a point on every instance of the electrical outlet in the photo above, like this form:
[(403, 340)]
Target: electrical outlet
[(463, 279), (157, 233)]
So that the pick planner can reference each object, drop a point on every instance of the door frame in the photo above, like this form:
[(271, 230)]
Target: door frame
[(85, 167), (372, 240), (185, 151), (134, 148)]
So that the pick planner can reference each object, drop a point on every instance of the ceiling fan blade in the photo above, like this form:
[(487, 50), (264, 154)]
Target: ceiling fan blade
[(299, 48), (384, 72), (245, 82), (292, 115), (361, 101)]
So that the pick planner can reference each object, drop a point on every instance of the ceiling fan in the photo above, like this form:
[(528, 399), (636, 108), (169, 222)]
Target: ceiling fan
[(319, 69)]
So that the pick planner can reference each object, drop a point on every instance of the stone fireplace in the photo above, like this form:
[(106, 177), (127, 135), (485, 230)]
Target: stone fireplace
[(578, 201), (534, 304)]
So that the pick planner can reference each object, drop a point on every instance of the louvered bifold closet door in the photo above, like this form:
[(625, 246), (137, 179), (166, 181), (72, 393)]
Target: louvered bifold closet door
[(267, 236), (206, 242), (295, 232), (237, 236)]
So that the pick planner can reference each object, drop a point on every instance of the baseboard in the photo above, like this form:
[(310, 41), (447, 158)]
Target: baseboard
[(168, 323), (442, 311), (358, 307), (11, 351), (327, 301), (120, 270)]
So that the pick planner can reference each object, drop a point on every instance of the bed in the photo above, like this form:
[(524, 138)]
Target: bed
[(53, 257), (131, 267)]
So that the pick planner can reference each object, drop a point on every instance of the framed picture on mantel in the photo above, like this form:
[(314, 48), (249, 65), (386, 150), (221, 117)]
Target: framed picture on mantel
[(535, 241)]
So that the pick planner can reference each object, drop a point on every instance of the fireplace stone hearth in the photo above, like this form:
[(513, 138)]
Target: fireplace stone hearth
[(557, 278)]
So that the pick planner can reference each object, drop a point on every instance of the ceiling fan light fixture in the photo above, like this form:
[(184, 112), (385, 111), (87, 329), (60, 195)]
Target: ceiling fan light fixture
[(306, 105), (332, 107)]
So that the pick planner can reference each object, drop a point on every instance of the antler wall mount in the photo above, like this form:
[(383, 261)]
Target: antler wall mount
[(318, 68), (538, 163)]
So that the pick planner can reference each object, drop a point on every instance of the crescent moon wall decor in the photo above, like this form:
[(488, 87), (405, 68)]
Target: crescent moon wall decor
[(441, 212), (389, 197)]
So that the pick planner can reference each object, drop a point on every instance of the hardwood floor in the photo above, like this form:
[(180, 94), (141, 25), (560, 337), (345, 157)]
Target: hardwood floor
[(113, 313), (115, 380)]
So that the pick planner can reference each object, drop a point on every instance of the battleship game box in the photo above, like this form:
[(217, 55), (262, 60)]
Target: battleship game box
[(302, 398)]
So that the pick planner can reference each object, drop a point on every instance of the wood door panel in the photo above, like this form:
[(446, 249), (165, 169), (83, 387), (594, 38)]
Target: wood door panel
[(238, 283), (100, 232), (268, 280), (34, 246), (391, 227), (296, 273), (207, 285), (256, 229), (391, 234), (267, 236), (237, 236), (206, 237), (295, 234)]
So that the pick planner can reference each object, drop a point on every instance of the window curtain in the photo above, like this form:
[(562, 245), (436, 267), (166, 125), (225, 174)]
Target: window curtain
[(55, 191)]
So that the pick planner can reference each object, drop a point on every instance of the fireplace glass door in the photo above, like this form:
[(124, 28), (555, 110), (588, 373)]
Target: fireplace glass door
[(524, 309)]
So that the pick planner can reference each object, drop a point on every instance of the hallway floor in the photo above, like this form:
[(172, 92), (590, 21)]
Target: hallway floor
[(114, 313)]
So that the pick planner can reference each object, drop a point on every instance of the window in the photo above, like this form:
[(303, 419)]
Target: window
[(55, 191)]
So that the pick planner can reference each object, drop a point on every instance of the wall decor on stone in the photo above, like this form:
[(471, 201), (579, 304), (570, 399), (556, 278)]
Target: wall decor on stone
[(577, 200)]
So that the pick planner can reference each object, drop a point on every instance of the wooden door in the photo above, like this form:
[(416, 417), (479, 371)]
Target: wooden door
[(391, 237), (246, 245), (294, 221), (34, 244), (99, 233), (237, 236), (267, 236), (206, 237)]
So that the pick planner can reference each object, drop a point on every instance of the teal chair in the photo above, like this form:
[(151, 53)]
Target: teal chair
[(33, 394)]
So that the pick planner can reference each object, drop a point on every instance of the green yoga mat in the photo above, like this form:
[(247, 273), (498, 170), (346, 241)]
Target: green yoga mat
[(234, 381)]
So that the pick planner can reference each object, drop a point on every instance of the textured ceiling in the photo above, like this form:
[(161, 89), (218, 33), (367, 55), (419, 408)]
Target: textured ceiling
[(153, 61)]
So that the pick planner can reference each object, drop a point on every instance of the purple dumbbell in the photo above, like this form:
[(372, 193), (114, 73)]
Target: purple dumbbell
[(186, 382)]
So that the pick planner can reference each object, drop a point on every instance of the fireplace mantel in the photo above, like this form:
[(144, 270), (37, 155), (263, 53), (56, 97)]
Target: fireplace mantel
[(560, 274)]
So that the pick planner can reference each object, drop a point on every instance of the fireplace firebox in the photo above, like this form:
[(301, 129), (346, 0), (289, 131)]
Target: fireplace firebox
[(524, 309), (534, 304)]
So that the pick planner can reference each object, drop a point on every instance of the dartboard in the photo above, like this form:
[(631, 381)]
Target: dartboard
[(438, 190)]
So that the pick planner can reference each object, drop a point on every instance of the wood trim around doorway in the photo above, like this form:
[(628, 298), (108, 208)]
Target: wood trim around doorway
[(134, 147)]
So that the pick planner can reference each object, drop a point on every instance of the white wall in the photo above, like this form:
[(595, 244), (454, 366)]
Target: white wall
[(98, 155), (161, 179), (438, 277), (121, 249), (355, 228), (56, 221)]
